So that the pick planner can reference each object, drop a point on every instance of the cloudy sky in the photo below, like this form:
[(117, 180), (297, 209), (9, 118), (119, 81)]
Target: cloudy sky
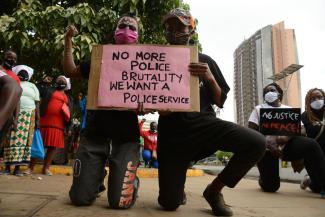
[(223, 25)]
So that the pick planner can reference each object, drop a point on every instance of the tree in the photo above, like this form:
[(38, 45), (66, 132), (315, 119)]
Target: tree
[(35, 28)]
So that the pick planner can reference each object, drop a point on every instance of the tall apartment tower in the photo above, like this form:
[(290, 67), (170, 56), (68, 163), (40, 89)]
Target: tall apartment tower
[(267, 56)]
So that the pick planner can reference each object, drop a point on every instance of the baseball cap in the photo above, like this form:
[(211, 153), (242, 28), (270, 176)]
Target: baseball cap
[(184, 16)]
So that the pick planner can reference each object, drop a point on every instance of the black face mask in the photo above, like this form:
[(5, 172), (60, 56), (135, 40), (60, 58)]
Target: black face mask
[(177, 38), (23, 75), (9, 63), (60, 85), (153, 129)]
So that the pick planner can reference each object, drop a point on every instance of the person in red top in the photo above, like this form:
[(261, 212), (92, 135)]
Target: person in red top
[(10, 94), (9, 61), (53, 119), (149, 153)]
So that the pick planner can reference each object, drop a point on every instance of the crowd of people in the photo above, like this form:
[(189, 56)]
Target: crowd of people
[(37, 107), (183, 138), (299, 150)]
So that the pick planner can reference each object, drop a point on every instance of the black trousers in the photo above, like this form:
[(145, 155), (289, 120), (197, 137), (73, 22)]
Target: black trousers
[(89, 171), (297, 148), (174, 158)]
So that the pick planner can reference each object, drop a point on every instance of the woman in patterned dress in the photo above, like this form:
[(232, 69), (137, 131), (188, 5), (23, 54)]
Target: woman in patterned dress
[(17, 146)]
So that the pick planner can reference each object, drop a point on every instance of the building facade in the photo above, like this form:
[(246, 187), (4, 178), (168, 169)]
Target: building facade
[(268, 52)]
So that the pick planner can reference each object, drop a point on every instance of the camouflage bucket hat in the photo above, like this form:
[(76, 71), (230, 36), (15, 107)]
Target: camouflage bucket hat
[(184, 16)]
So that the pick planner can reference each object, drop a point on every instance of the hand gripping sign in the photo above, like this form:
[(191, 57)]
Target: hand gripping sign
[(122, 76)]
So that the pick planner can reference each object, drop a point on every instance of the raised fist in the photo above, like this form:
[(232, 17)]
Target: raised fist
[(71, 31)]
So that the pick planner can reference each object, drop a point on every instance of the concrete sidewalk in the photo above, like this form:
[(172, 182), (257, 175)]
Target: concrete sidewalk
[(45, 196)]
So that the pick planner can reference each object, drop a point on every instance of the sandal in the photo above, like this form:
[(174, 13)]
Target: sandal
[(28, 172), (4, 172), (18, 173), (47, 172), (322, 194)]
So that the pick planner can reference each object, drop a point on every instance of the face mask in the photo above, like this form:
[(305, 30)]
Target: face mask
[(23, 76), (125, 36), (271, 97), (60, 85), (177, 38), (153, 130), (9, 63), (317, 105)]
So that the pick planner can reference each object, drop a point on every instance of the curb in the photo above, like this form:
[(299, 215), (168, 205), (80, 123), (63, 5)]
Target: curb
[(141, 172), (153, 173)]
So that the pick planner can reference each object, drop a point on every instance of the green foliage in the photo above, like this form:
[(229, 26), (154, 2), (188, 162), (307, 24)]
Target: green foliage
[(222, 154), (35, 28)]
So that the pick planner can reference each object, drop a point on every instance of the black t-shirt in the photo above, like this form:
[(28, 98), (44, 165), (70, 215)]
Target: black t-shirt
[(312, 129), (181, 124), (119, 125)]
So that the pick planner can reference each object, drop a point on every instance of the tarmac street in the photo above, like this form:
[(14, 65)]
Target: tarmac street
[(47, 196), (286, 174)]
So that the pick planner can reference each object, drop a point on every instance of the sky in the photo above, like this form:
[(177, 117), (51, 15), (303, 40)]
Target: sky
[(223, 25)]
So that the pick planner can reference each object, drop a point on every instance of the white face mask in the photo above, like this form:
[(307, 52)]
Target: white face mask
[(318, 104), (271, 96)]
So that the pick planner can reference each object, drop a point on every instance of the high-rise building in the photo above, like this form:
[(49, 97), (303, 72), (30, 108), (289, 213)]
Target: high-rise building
[(267, 56)]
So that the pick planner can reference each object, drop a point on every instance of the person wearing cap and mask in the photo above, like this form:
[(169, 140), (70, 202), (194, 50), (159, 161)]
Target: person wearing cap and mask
[(17, 147), (301, 151), (190, 136), (55, 116), (109, 135)]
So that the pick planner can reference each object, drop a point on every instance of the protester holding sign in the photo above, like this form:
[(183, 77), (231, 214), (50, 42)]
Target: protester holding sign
[(313, 119), (190, 136), (288, 148), (109, 135)]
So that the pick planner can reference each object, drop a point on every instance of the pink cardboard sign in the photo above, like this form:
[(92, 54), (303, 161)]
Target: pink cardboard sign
[(157, 76)]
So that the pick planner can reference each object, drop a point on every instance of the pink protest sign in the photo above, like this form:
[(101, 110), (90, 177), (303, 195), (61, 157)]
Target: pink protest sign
[(157, 76)]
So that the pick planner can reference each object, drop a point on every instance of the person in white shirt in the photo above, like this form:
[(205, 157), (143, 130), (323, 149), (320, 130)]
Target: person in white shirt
[(17, 145), (287, 148)]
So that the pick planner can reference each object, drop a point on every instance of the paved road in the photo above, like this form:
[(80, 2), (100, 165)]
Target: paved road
[(48, 197), (286, 174)]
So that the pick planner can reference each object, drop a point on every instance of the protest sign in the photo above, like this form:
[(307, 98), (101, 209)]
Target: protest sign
[(280, 121), (123, 75)]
